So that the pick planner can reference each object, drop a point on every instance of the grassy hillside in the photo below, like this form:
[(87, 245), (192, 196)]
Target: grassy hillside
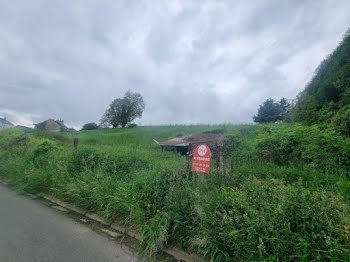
[(326, 99), (288, 200)]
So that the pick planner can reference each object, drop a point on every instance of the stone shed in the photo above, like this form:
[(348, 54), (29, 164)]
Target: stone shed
[(186, 144)]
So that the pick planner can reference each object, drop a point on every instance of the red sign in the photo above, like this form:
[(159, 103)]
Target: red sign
[(201, 159)]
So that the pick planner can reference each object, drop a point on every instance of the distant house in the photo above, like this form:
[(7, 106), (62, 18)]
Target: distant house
[(51, 125), (4, 123)]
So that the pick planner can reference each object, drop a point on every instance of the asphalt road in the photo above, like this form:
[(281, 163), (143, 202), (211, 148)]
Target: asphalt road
[(32, 231)]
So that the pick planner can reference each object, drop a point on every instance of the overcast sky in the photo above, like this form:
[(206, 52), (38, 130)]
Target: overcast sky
[(192, 61)]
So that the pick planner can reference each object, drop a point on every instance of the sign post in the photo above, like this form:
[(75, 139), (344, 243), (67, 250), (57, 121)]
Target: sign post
[(201, 159)]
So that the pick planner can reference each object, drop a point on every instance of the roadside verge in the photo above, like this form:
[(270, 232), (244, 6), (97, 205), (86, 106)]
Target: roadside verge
[(111, 228)]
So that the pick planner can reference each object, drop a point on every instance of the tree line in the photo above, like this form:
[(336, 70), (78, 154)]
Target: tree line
[(325, 99)]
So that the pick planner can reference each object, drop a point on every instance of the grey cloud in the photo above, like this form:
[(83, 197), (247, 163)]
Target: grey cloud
[(194, 62)]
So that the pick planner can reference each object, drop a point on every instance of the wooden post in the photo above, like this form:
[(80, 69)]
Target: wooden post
[(189, 167), (75, 143)]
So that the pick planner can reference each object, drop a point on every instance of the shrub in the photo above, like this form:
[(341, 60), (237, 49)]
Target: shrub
[(41, 152), (89, 126), (83, 159), (268, 220), (132, 125), (281, 208), (13, 138), (285, 144), (342, 121), (122, 166)]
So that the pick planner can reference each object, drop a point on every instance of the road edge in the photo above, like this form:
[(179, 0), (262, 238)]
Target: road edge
[(114, 229)]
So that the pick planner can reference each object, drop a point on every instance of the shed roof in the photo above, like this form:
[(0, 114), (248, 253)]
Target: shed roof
[(177, 141), (186, 140)]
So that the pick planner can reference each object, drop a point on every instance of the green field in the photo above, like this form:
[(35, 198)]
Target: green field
[(287, 198)]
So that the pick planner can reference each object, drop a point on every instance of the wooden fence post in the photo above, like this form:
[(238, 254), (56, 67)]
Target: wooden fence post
[(75, 142), (189, 167)]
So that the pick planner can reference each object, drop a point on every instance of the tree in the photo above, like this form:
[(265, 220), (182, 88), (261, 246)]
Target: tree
[(90, 126), (285, 108), (271, 111), (124, 110), (329, 89)]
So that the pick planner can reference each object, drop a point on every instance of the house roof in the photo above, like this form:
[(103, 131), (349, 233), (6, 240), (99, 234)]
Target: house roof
[(5, 122), (51, 124)]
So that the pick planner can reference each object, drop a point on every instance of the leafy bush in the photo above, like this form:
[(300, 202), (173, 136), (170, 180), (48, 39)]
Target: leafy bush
[(41, 152), (268, 220), (328, 91), (300, 144), (83, 159), (287, 201), (13, 139), (132, 125), (89, 126), (123, 165), (342, 121)]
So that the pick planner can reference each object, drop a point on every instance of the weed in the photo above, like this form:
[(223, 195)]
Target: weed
[(286, 199)]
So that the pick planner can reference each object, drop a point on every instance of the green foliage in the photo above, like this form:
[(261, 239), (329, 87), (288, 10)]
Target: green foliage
[(40, 154), (84, 158), (271, 111), (14, 139), (268, 220), (342, 121), (288, 200), (132, 125), (328, 92), (156, 233), (306, 110), (43, 147), (124, 110), (304, 145), (89, 126)]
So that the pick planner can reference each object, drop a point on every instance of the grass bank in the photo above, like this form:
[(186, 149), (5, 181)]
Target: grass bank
[(288, 200)]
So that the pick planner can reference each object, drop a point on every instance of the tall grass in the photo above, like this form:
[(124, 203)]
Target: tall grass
[(287, 198)]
